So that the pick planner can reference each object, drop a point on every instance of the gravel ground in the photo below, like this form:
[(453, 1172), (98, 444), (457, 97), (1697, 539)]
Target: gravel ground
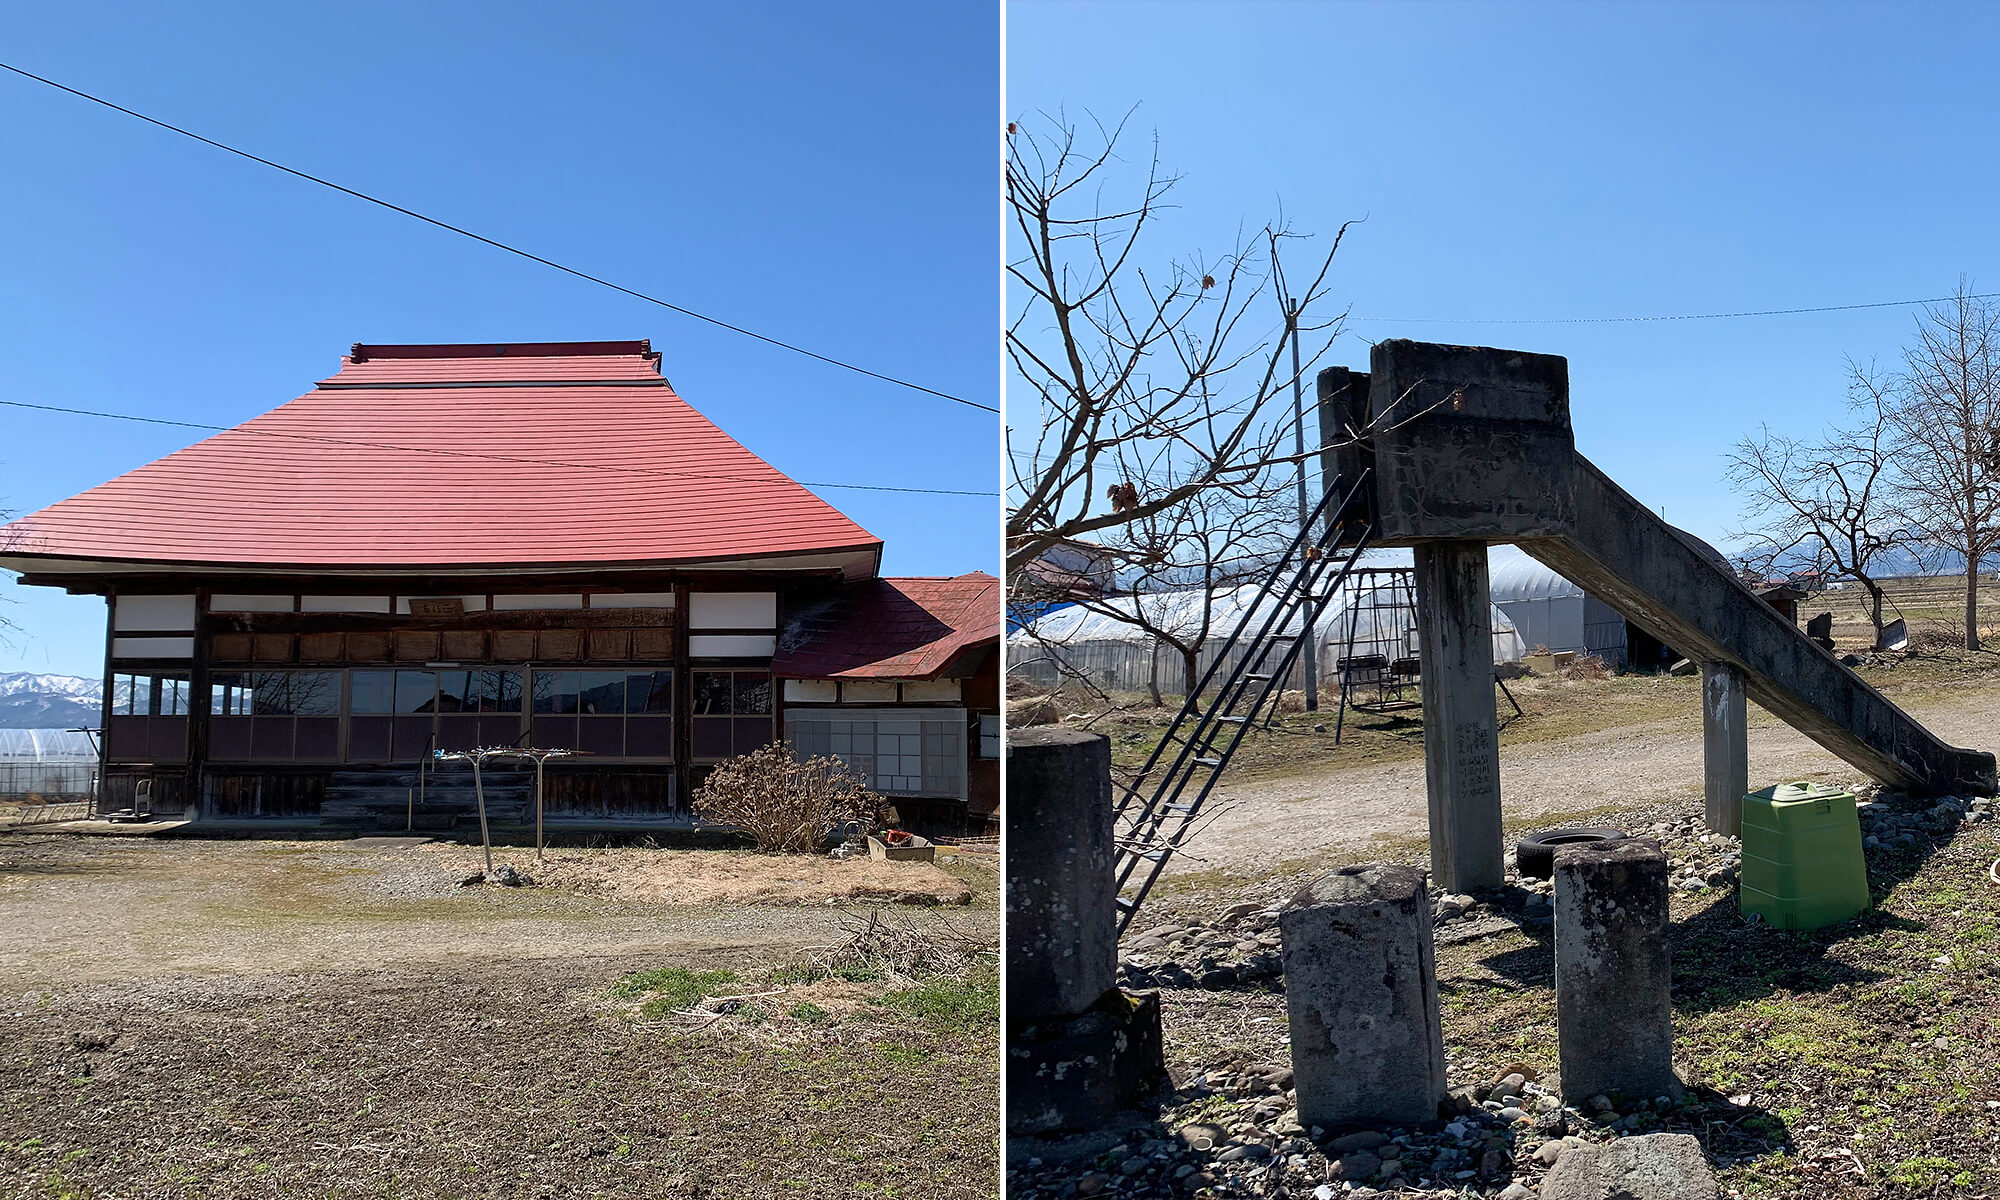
[(225, 1019), (1825, 1064)]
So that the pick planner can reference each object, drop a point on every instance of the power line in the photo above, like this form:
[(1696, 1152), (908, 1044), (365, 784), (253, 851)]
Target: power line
[(450, 453), (1721, 316), (499, 245)]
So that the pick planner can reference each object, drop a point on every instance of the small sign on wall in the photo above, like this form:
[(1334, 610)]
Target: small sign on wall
[(438, 606)]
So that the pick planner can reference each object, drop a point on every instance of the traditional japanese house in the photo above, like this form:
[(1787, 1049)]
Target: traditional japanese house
[(448, 547), (887, 675)]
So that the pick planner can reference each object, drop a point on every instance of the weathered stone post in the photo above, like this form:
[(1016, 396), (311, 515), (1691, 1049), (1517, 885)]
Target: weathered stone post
[(1361, 991), (1614, 984), (1078, 1049), (1725, 747), (1461, 740), (1062, 920)]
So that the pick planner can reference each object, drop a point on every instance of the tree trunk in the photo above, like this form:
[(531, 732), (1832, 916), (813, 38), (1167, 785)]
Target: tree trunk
[(1153, 676), (1191, 669), (1874, 606), (1971, 603)]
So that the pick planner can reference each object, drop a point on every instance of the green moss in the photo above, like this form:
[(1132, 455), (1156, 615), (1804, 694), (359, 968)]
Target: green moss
[(950, 1003), (671, 989), (1930, 1172)]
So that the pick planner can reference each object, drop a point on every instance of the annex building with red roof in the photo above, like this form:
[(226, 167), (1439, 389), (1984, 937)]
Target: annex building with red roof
[(452, 547)]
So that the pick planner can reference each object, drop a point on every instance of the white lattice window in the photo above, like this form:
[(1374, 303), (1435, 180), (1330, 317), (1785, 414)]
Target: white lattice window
[(897, 752)]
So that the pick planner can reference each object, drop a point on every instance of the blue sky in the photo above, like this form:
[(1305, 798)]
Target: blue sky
[(824, 174), (1577, 160)]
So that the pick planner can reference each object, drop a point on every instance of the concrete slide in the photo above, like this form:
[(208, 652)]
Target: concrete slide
[(1669, 585), (1469, 444)]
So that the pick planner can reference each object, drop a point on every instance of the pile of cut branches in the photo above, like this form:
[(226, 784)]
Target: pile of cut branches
[(903, 950)]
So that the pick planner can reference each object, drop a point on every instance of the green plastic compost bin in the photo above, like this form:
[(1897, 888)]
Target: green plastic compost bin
[(1802, 861)]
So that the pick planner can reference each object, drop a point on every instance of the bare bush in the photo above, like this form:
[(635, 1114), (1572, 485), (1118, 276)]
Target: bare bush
[(1585, 666), (788, 806)]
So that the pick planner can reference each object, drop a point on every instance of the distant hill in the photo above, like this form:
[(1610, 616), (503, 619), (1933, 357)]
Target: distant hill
[(30, 701)]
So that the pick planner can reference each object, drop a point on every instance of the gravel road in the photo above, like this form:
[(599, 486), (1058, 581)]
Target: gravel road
[(1268, 821)]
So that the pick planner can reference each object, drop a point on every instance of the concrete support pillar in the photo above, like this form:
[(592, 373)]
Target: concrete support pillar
[(1461, 734), (1062, 944), (1361, 991), (1079, 1050), (1614, 985), (1725, 746)]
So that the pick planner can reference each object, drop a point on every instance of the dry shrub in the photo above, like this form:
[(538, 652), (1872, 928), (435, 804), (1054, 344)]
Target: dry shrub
[(1933, 637), (1585, 666), (1291, 701), (1041, 710), (787, 805)]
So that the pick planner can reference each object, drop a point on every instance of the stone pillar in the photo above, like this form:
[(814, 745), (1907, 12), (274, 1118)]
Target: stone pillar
[(1614, 986), (1062, 943), (1725, 747), (1079, 1051), (1461, 732), (1361, 991)]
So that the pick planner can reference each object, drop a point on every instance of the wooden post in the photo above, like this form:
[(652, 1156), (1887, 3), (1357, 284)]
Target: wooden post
[(108, 708), (479, 793), (199, 702), (539, 759), (683, 771)]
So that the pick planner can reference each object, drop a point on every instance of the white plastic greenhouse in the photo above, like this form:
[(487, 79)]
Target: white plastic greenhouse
[(1549, 611), (53, 764), (1372, 615)]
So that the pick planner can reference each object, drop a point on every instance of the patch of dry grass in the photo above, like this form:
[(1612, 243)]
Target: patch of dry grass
[(720, 877)]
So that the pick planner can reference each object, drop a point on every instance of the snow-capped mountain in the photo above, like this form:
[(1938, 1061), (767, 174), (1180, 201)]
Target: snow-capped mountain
[(30, 701)]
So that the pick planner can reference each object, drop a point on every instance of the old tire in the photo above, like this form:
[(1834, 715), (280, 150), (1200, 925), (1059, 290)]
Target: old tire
[(1535, 855)]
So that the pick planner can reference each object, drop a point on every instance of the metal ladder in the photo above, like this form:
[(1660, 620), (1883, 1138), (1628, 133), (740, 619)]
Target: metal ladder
[(1156, 812)]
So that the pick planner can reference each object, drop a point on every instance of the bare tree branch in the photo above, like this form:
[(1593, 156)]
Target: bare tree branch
[(1144, 383)]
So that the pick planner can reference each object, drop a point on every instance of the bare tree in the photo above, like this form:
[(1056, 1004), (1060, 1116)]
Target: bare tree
[(1828, 500), (1142, 382), (1944, 411)]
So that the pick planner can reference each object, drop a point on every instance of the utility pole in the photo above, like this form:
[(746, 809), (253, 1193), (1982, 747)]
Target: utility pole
[(1305, 509)]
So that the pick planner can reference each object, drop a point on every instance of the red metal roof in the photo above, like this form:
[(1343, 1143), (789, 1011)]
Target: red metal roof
[(890, 628), (455, 456)]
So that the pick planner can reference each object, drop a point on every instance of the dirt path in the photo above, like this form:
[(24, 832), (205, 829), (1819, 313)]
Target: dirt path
[(1336, 811), (76, 909)]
